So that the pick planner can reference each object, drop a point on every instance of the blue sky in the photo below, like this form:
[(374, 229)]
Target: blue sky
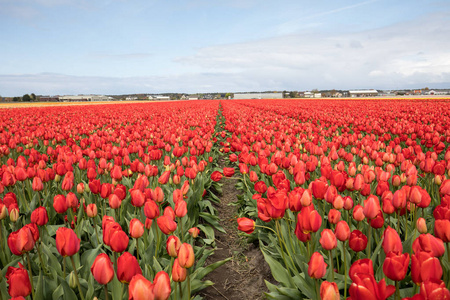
[(58, 47)]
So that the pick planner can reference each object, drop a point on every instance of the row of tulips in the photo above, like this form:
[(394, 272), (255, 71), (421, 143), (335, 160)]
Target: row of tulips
[(348, 198), (110, 201)]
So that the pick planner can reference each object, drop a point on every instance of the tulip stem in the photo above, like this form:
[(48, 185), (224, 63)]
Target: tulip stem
[(64, 267), (115, 261), (448, 252), (76, 277), (121, 291), (317, 288), (174, 294), (106, 291), (369, 244), (30, 274), (331, 264), (397, 291), (188, 283), (137, 249), (96, 232), (181, 290), (345, 271)]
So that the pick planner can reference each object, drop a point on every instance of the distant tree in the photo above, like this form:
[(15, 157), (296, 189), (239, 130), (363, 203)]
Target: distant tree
[(33, 97), (16, 99), (292, 94), (26, 98)]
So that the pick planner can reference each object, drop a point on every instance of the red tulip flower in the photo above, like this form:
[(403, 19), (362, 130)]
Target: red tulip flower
[(396, 265), (18, 282), (127, 267), (358, 241), (246, 225), (186, 256), (102, 269), (317, 266), (67, 242), (329, 291)]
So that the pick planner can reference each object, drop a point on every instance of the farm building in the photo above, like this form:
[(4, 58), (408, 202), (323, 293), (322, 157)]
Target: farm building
[(85, 98), (363, 93), (259, 96)]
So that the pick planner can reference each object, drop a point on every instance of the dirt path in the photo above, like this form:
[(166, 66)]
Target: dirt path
[(242, 277)]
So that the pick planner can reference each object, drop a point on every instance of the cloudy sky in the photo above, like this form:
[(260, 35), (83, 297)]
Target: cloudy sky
[(57, 47)]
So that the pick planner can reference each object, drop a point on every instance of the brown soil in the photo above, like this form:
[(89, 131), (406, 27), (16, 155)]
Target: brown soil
[(243, 276)]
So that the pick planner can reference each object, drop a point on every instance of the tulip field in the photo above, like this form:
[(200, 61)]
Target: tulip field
[(346, 198)]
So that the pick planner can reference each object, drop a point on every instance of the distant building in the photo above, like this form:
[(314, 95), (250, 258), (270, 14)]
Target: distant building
[(363, 93), (159, 97), (258, 96), (48, 98), (76, 98)]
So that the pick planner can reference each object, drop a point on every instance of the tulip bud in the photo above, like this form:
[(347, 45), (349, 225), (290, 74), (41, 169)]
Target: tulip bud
[(421, 225), (3, 211), (173, 244), (14, 214), (81, 188), (194, 232), (91, 210), (57, 178), (72, 280)]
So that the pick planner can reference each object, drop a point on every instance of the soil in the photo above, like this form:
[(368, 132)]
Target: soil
[(243, 276)]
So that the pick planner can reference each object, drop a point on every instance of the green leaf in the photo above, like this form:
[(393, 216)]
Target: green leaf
[(63, 291), (202, 272), (279, 272)]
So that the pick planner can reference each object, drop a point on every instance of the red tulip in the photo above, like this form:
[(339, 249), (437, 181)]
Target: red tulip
[(166, 224), (364, 286), (164, 178), (18, 281), (151, 209), (186, 256), (173, 245), (309, 220), (194, 232), (91, 210), (216, 176), (140, 288), (342, 231), (357, 241), (392, 241), (396, 265), (137, 198), (317, 266), (161, 286), (102, 269), (60, 204), (362, 266), (425, 267), (371, 207), (180, 208), (136, 228), (37, 184), (118, 240), (329, 291), (328, 239), (434, 289), (67, 242), (39, 216), (24, 239), (246, 225), (127, 267), (178, 273), (442, 230), (428, 243)]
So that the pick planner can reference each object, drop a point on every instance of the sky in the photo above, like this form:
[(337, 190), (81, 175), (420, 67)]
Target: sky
[(68, 47)]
